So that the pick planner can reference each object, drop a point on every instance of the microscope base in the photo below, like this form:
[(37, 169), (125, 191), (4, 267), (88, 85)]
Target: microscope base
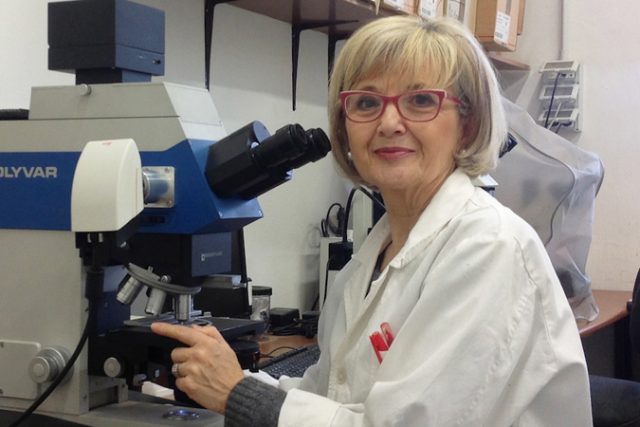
[(126, 414)]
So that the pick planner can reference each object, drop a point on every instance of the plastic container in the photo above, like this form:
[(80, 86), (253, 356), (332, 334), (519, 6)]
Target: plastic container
[(261, 303)]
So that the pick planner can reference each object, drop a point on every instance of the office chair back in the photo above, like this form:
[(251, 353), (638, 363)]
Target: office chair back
[(634, 315)]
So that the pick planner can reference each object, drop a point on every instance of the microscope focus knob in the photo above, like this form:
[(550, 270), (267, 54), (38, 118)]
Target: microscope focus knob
[(47, 365), (112, 367)]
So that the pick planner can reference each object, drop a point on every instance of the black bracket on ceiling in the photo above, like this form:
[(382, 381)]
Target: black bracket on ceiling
[(297, 26), (296, 29), (334, 38), (209, 6)]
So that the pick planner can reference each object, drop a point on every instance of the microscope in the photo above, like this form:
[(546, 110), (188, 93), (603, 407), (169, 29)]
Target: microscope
[(111, 189)]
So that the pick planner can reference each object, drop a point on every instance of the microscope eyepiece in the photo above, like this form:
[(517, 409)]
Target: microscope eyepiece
[(291, 147), (248, 163)]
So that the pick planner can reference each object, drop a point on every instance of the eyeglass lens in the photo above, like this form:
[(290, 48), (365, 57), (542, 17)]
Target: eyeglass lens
[(417, 106)]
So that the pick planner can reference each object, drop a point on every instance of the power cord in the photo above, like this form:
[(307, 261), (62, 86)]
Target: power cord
[(270, 354), (561, 125), (307, 326), (553, 95), (31, 409), (92, 277), (326, 225), (348, 207), (337, 261), (326, 279)]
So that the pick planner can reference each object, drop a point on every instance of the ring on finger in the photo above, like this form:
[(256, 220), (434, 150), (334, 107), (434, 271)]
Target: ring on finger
[(175, 370)]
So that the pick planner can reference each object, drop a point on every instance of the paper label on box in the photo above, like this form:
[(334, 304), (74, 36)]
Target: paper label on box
[(503, 22), (428, 8), (453, 9), (395, 3)]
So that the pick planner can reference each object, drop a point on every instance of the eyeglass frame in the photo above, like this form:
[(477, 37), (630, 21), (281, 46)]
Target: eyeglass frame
[(440, 93)]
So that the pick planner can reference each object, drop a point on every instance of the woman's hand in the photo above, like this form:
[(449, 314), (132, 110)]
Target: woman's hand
[(208, 368)]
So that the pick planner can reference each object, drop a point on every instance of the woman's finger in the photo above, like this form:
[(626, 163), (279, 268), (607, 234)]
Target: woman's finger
[(212, 332), (180, 354), (188, 336)]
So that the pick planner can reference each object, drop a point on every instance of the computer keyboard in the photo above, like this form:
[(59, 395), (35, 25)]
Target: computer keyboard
[(292, 363)]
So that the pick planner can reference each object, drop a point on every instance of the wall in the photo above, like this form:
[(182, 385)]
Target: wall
[(24, 53), (251, 76), (605, 40), (250, 80)]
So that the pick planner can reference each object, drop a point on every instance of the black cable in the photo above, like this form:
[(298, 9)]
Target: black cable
[(83, 339), (286, 330), (560, 126), (373, 198), (298, 327), (326, 281), (325, 225), (94, 282), (283, 347), (553, 95), (347, 209), (345, 225)]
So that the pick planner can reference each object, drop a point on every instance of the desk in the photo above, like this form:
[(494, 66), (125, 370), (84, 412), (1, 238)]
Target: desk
[(606, 339), (269, 343), (613, 307)]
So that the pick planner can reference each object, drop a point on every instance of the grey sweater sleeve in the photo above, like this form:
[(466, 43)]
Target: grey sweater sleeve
[(253, 403)]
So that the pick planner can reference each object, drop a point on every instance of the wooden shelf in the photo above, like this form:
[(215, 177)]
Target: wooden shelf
[(334, 17), (507, 64), (339, 18)]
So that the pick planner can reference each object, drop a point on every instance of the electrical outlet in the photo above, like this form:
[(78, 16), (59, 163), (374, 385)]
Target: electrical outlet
[(565, 67), (560, 96)]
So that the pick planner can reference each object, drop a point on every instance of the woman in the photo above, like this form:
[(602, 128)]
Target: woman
[(482, 332)]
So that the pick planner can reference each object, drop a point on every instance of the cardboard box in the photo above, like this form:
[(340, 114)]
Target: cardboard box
[(521, 16), (430, 8), (455, 9), (497, 24), (406, 6), (470, 15)]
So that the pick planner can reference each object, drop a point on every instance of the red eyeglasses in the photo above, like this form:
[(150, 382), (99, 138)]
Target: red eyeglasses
[(417, 105)]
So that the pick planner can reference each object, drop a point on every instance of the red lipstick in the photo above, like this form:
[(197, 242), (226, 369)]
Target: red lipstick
[(392, 153)]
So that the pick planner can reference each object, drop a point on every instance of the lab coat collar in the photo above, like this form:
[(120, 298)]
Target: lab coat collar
[(447, 202)]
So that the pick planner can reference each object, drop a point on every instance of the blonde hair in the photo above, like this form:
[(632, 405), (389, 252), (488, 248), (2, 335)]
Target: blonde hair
[(409, 46)]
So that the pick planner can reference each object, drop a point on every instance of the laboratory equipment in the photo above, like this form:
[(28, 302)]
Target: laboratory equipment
[(111, 189)]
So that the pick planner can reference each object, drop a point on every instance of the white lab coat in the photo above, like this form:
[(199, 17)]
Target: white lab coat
[(484, 335)]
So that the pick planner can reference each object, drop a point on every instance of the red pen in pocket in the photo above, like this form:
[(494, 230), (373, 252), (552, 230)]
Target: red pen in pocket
[(386, 331), (381, 341)]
